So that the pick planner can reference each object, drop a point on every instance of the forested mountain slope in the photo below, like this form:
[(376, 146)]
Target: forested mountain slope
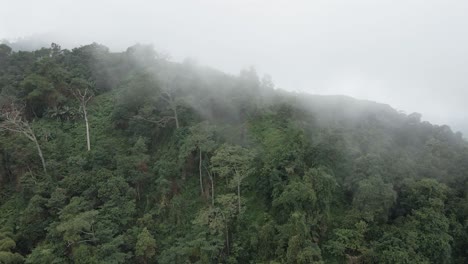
[(131, 158)]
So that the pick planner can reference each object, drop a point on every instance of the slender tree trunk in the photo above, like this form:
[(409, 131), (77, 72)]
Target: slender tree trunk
[(39, 151), (212, 185), (239, 195), (138, 191), (84, 97), (200, 169), (227, 232), (88, 141), (176, 117), (227, 240), (212, 190), (172, 104)]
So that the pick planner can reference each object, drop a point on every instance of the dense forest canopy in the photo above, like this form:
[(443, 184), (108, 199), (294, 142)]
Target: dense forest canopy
[(129, 157)]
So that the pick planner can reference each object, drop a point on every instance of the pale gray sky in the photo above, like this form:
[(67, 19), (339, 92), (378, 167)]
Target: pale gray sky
[(412, 55)]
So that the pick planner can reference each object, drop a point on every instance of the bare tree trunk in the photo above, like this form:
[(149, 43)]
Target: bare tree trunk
[(138, 191), (88, 141), (176, 117), (212, 190), (14, 122), (29, 133), (212, 185), (227, 239), (227, 232), (238, 195), (200, 169), (84, 97), (39, 151), (172, 105)]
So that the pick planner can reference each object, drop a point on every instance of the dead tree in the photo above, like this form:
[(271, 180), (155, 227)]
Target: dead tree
[(167, 97), (163, 121), (13, 121), (83, 97)]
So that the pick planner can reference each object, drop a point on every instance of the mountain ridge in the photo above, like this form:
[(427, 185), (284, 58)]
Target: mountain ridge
[(126, 157)]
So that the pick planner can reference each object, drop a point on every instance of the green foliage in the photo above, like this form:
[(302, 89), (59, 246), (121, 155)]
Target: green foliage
[(7, 245), (191, 165), (146, 245), (77, 223), (232, 161), (349, 242), (374, 199)]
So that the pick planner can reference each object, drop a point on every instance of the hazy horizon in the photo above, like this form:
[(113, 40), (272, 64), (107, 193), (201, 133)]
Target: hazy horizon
[(410, 55)]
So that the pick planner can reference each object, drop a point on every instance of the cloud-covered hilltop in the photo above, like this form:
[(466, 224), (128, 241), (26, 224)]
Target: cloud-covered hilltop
[(130, 157)]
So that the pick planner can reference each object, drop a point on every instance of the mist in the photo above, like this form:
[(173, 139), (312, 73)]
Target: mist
[(235, 131), (409, 54)]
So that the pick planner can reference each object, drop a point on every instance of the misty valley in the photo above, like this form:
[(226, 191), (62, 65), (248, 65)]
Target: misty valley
[(131, 157)]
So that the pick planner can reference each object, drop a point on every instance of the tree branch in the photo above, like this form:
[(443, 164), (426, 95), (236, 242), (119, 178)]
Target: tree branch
[(161, 122)]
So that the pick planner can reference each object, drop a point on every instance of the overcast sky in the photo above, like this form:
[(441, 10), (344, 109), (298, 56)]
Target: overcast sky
[(412, 55)]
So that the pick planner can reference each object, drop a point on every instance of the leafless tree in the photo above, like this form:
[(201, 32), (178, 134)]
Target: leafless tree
[(14, 121), (167, 97), (84, 96), (171, 103)]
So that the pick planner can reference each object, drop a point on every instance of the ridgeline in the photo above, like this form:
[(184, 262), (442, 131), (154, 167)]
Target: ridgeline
[(128, 157)]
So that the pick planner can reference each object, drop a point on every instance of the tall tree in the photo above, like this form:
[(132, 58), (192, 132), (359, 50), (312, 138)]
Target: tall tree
[(7, 245), (168, 98), (145, 247), (82, 92), (14, 121), (156, 101), (233, 161), (374, 199), (169, 83), (201, 139)]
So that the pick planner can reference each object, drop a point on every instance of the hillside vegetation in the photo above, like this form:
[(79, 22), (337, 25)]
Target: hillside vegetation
[(128, 157)]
